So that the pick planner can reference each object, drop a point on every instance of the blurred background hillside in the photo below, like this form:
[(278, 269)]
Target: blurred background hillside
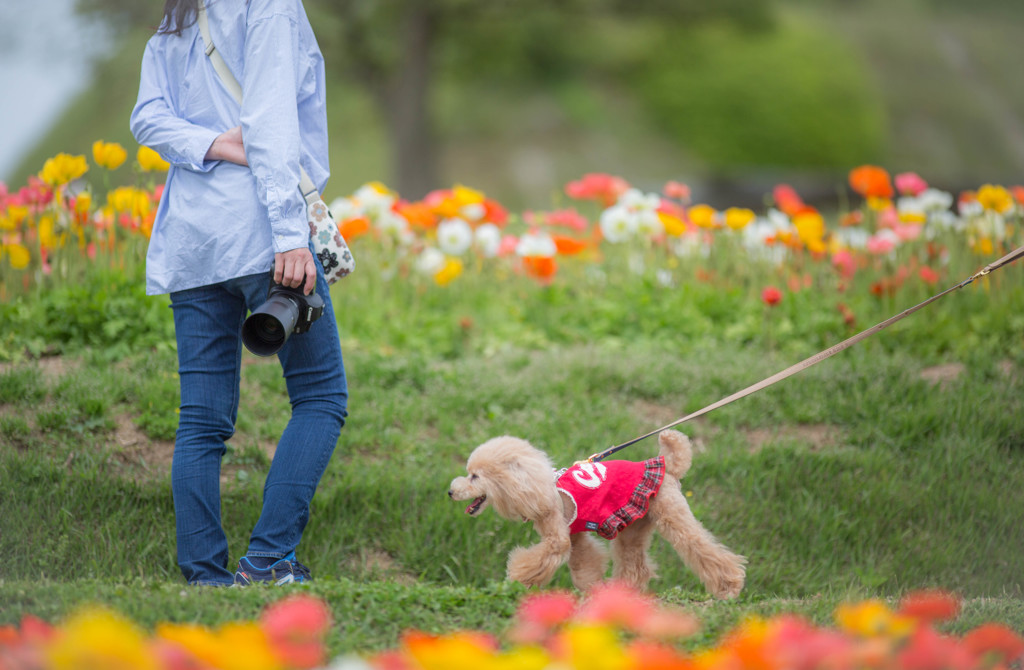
[(517, 98)]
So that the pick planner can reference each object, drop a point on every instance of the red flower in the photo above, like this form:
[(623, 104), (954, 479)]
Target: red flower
[(928, 275), (930, 606), (771, 296), (995, 639), (597, 186)]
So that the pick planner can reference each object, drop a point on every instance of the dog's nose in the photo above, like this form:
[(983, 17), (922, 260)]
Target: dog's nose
[(449, 493)]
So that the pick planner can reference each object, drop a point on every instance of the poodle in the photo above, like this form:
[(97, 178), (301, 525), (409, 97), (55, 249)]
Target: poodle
[(623, 501)]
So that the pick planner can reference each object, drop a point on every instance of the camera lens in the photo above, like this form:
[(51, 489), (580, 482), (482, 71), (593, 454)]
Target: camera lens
[(269, 326)]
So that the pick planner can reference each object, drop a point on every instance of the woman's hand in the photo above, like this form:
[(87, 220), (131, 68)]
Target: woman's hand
[(291, 267), (228, 147)]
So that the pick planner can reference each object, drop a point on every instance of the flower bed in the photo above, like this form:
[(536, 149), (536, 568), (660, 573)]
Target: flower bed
[(614, 628), (896, 231)]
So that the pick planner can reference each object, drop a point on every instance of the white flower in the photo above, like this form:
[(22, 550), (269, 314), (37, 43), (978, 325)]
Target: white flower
[(487, 238), (454, 236), (971, 208), (637, 201), (392, 223), (372, 202), (853, 238), (933, 200), (649, 223), (474, 211), (536, 244), (430, 261), (618, 224), (909, 205), (689, 245), (343, 209)]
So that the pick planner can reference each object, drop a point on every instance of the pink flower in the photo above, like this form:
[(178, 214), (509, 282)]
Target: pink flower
[(295, 627), (567, 218), (888, 218), (844, 262), (508, 245), (539, 615), (771, 296), (909, 183), (616, 604), (677, 191), (930, 606), (882, 243), (597, 186)]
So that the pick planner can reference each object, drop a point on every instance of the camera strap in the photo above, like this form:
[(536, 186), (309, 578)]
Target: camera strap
[(306, 185)]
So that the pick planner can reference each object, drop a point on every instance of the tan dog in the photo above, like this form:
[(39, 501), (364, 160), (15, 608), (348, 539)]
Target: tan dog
[(517, 480)]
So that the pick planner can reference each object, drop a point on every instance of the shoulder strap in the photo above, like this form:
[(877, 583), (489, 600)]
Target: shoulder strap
[(306, 185)]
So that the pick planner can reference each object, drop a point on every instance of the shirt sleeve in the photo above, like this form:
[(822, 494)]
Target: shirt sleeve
[(270, 125), (155, 125)]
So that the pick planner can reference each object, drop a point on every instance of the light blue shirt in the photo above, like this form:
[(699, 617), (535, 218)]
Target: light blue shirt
[(218, 220)]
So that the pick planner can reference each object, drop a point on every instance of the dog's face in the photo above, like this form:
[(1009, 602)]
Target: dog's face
[(510, 475)]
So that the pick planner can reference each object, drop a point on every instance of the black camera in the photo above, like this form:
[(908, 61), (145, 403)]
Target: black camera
[(286, 311)]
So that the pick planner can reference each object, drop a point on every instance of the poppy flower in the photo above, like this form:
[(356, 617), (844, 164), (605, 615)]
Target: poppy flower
[(871, 181), (771, 296)]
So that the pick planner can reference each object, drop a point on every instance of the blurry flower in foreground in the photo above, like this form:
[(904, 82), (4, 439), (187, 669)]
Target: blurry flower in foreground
[(883, 242), (109, 155), (996, 641), (17, 254), (930, 606), (63, 168), (100, 639), (771, 296), (295, 627), (871, 181), (430, 261), (150, 160), (872, 618), (541, 614)]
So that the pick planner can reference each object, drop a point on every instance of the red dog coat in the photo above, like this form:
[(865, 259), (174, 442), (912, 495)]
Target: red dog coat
[(611, 495)]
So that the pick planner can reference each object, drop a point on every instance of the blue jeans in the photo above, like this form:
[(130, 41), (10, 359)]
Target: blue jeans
[(208, 322)]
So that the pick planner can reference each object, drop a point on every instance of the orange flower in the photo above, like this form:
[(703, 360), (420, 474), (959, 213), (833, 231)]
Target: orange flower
[(568, 246), (787, 200), (997, 640), (540, 267), (353, 228), (871, 181)]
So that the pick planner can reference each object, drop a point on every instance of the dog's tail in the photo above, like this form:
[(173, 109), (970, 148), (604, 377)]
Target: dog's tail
[(678, 453)]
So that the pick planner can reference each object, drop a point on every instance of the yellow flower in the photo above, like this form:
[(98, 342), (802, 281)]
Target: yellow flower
[(100, 640), (879, 204), (83, 203), (48, 236), (703, 216), (150, 161), (63, 168), (108, 154), (738, 218), (466, 196), (810, 228), (18, 255), (594, 648), (872, 618), (129, 200), (673, 224), (995, 198), (447, 274)]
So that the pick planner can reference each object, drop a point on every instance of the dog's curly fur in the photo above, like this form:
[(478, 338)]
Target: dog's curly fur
[(516, 479)]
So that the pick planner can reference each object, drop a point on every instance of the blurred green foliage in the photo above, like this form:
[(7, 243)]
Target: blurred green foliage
[(791, 97)]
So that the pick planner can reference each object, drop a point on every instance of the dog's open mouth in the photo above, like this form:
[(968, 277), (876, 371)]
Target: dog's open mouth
[(476, 505)]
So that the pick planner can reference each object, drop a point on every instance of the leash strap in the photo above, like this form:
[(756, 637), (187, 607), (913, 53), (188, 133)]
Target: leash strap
[(817, 358), (306, 185)]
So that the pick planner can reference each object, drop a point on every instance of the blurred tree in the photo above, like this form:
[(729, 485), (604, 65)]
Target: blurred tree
[(394, 48)]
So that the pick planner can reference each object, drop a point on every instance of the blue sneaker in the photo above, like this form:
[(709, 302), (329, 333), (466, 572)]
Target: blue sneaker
[(281, 571)]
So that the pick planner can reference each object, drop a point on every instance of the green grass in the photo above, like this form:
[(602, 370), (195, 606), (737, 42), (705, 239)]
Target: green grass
[(861, 477)]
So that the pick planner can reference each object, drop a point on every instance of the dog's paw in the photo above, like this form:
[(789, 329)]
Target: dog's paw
[(728, 586), (530, 567)]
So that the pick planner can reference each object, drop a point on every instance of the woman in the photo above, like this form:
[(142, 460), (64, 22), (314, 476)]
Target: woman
[(230, 213)]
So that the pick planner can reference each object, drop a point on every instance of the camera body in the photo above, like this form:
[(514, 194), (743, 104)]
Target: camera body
[(285, 311)]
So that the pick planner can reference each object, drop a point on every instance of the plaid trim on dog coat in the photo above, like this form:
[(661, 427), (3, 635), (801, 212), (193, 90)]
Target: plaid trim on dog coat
[(611, 495)]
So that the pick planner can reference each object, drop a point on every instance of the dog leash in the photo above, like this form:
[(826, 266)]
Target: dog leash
[(817, 358)]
